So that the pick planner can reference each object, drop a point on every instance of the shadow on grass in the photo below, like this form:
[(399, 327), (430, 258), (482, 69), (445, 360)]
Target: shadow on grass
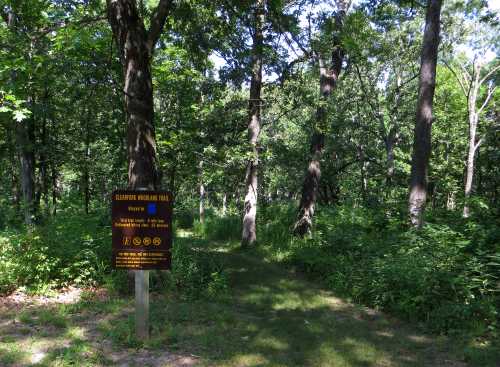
[(272, 317), (276, 318)]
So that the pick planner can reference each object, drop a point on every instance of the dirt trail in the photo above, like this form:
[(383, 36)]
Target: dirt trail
[(271, 317)]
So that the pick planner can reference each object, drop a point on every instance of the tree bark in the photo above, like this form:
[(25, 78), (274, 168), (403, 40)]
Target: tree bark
[(328, 80), (224, 204), (470, 163), (389, 148), (44, 158), (25, 139), (249, 235), (86, 178), (363, 165), (25, 134), (202, 194), (54, 176), (423, 124), (136, 46), (472, 95)]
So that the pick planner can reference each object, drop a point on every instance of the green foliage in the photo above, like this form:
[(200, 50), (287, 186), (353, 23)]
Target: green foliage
[(219, 228), (76, 249), (184, 219), (72, 250), (196, 272), (10, 104), (444, 276)]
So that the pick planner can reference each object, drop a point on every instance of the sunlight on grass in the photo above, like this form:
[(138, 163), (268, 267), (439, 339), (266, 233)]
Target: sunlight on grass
[(247, 360), (12, 354), (271, 343), (278, 319), (75, 332)]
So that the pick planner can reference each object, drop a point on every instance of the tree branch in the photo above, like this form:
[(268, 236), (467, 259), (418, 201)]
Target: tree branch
[(489, 74), (158, 19), (462, 85), (488, 97), (85, 21), (375, 110), (478, 144), (287, 70)]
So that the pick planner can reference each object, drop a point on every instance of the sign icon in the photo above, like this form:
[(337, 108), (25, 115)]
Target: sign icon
[(157, 241), (146, 241), (137, 241), (152, 208), (126, 241)]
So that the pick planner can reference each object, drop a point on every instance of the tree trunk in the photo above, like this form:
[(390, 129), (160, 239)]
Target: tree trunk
[(328, 81), (86, 181), (363, 165), (469, 175), (135, 46), (13, 158), (450, 201), (473, 122), (202, 194), (16, 200), (86, 166), (25, 139), (249, 236), (224, 204), (54, 176), (44, 175), (422, 137), (25, 135), (389, 147)]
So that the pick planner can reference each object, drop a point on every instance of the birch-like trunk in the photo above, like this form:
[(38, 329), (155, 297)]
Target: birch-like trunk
[(202, 194), (469, 172), (224, 204), (249, 235)]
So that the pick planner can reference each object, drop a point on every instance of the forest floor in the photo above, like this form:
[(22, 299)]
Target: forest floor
[(272, 316)]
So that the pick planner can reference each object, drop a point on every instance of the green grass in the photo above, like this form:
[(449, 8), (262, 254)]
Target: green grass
[(271, 316), (11, 353)]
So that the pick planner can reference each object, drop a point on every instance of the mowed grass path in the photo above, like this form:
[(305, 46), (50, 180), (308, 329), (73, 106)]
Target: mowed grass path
[(272, 316)]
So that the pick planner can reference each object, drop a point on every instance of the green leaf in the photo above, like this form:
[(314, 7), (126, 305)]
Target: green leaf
[(20, 115)]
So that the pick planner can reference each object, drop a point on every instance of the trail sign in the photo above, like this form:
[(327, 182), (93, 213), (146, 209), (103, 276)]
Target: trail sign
[(142, 229)]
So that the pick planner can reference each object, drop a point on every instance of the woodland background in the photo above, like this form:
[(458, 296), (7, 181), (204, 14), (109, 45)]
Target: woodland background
[(288, 125)]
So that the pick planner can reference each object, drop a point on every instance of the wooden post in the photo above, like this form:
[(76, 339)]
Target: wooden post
[(142, 304), (142, 300)]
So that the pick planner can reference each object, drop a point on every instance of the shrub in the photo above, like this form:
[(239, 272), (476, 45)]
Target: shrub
[(444, 275), (72, 249), (183, 218), (197, 272), (219, 228)]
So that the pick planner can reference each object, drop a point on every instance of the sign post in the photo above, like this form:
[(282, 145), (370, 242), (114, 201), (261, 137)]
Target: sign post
[(142, 241), (142, 304)]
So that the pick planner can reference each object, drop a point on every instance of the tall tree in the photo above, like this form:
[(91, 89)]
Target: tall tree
[(329, 73), (423, 123), (470, 84), (248, 236), (136, 46), (14, 17)]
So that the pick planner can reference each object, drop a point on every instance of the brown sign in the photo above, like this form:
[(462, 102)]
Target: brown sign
[(142, 229)]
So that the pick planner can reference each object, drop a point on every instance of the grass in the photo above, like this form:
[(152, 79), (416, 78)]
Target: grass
[(271, 317)]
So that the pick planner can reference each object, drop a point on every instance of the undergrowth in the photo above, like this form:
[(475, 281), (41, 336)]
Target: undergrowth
[(444, 277), (75, 249)]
